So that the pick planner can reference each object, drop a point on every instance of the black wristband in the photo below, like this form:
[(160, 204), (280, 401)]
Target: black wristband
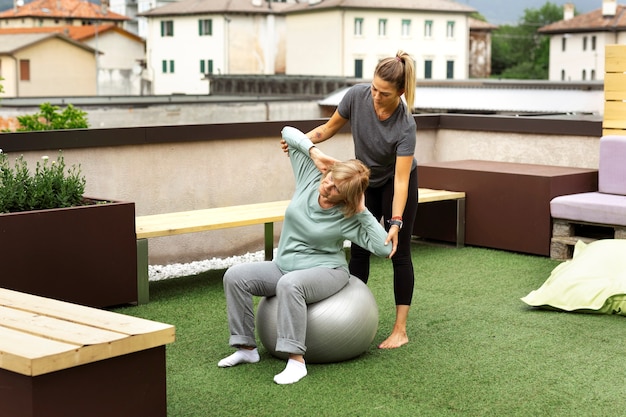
[(395, 222)]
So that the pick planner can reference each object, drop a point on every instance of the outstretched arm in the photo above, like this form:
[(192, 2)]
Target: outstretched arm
[(320, 134)]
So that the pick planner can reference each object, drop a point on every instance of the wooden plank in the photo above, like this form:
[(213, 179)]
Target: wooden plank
[(75, 313), (55, 329), (614, 95), (39, 335), (427, 195), (608, 132), (614, 114), (19, 350), (615, 58), (169, 224), (616, 83)]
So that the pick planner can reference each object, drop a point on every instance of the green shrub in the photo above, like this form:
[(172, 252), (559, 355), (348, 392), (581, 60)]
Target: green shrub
[(50, 186), (50, 118)]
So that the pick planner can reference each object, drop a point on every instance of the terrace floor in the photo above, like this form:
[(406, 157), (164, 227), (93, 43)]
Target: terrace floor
[(475, 349)]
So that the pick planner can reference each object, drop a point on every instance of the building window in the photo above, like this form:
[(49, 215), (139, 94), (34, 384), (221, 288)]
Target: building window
[(584, 75), (584, 43), (358, 26), (167, 28), (382, 27), (428, 29), (562, 75), (449, 70), (593, 43), (205, 27), (406, 27), (167, 66), (450, 29), (358, 68), (428, 69), (206, 67), (593, 75), (563, 44), (24, 69)]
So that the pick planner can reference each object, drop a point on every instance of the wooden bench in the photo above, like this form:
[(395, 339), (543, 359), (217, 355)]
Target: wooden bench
[(170, 224), (64, 359), (429, 195)]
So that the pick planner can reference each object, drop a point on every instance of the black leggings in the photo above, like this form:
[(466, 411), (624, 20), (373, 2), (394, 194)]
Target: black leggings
[(378, 200)]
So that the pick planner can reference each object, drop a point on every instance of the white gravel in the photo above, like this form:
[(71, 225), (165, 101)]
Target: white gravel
[(161, 272)]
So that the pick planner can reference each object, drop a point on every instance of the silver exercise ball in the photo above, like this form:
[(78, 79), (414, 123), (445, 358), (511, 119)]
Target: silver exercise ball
[(339, 327)]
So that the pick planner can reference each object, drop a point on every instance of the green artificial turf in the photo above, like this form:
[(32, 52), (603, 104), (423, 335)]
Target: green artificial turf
[(475, 349)]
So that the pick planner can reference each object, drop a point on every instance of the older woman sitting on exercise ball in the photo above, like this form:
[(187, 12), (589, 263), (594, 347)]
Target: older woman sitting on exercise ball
[(325, 210)]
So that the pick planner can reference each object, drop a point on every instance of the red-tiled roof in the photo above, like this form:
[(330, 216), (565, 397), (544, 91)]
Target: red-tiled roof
[(78, 33), (593, 21), (62, 9)]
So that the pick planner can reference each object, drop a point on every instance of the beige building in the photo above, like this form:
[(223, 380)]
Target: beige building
[(46, 64), (349, 37), (116, 67), (119, 59)]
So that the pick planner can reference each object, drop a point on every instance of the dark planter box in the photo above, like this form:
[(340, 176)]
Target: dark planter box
[(85, 255)]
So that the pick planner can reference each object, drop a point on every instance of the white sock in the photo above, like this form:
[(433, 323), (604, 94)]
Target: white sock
[(293, 372), (240, 356)]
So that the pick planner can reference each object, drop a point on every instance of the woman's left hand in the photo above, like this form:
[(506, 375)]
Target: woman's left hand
[(392, 236)]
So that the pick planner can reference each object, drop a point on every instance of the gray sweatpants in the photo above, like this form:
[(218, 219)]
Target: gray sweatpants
[(294, 290)]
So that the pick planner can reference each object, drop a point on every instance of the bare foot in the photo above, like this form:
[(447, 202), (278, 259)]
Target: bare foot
[(395, 340)]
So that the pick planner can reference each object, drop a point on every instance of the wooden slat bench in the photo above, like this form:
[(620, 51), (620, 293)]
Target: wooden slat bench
[(170, 224), (429, 195), (64, 359)]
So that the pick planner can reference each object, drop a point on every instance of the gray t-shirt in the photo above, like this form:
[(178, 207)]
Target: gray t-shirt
[(377, 143)]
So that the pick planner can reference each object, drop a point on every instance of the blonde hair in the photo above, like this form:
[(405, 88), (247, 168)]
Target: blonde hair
[(351, 178), (399, 70)]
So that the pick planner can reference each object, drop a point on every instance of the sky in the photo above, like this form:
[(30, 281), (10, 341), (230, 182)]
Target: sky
[(509, 12)]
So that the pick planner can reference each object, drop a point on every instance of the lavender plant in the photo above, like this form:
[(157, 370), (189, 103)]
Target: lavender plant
[(50, 186)]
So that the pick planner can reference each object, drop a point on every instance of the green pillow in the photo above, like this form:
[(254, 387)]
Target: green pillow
[(593, 281)]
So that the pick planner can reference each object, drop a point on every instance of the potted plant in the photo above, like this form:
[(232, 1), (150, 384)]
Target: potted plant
[(57, 243)]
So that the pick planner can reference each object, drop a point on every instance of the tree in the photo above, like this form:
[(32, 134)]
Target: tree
[(521, 52)]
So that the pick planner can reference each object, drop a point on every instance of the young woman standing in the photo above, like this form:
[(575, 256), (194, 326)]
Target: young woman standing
[(384, 134)]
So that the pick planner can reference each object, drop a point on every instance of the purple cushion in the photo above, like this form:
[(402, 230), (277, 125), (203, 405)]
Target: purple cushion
[(591, 207), (612, 172)]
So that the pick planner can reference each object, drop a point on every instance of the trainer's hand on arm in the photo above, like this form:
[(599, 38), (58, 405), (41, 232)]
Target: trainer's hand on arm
[(392, 236)]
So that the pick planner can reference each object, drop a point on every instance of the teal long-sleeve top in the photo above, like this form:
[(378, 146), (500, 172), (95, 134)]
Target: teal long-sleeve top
[(313, 236)]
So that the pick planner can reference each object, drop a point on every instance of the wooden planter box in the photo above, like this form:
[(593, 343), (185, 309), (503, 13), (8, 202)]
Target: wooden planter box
[(84, 255)]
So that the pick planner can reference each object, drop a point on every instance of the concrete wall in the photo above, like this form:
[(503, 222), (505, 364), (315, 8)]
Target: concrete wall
[(168, 114), (185, 171)]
